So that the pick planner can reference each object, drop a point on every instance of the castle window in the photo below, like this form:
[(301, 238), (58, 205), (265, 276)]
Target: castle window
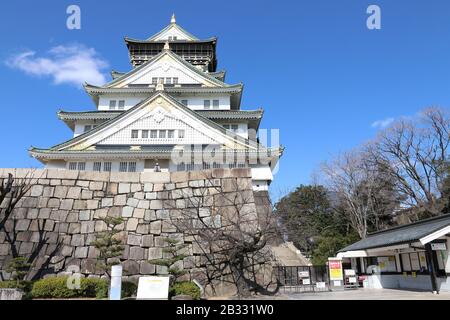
[(175, 80), (144, 134), (81, 166), (87, 128), (162, 134), (180, 134), (155, 81), (97, 166), (72, 166), (134, 134), (170, 134), (168, 80), (153, 134), (107, 166), (206, 104), (112, 105), (184, 102), (123, 166), (121, 104), (132, 167), (216, 104)]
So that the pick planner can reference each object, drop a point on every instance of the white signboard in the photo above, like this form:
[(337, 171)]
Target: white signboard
[(153, 288), (349, 272), (306, 281), (352, 279), (320, 285), (438, 246), (303, 274)]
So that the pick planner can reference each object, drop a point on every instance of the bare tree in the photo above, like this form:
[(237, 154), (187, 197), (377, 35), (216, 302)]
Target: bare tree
[(365, 193), (230, 237), (414, 152), (13, 189)]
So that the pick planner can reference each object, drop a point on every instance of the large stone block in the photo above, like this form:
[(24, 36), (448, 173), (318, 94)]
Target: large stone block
[(74, 193), (22, 225), (156, 204), (132, 202), (134, 239), (131, 267), (132, 224), (87, 194), (80, 205), (136, 187), (84, 215), (143, 228), (74, 228), (77, 240), (147, 268), (155, 253), (60, 192), (127, 212), (87, 226), (136, 253), (138, 213), (81, 252), (147, 241), (148, 187), (96, 185), (92, 204), (36, 191), (155, 227), (66, 204), (155, 177), (150, 195), (143, 204), (125, 177), (150, 215), (124, 188), (107, 202), (180, 176), (120, 200)]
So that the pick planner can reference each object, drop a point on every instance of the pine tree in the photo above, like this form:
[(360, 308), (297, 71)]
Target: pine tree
[(109, 246), (173, 251)]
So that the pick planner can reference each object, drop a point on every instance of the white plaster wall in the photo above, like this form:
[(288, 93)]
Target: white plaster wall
[(130, 101), (262, 173), (173, 31), (197, 102)]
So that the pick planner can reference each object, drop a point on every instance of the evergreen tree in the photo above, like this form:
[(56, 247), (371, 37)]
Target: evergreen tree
[(173, 251), (109, 246)]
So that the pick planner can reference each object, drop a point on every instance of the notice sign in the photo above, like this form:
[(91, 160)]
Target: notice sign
[(438, 246), (335, 268), (153, 288)]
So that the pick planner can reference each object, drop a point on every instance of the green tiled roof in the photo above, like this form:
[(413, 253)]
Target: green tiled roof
[(176, 57), (57, 148), (408, 233), (210, 114)]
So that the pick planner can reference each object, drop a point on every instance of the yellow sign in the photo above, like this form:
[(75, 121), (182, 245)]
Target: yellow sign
[(335, 267)]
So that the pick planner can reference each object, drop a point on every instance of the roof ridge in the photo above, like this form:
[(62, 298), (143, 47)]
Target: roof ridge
[(159, 55), (443, 216)]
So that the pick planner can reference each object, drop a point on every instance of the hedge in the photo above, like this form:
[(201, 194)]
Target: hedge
[(185, 288), (56, 288)]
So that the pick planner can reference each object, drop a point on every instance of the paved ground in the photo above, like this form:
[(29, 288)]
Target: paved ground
[(368, 294)]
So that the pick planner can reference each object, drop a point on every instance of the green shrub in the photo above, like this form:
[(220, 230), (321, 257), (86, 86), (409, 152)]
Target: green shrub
[(129, 289), (56, 288), (185, 288), (26, 286)]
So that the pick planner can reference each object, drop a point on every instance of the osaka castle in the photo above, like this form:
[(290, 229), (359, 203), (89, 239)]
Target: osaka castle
[(173, 111)]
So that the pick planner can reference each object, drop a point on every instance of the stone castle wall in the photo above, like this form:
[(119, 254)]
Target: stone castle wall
[(67, 205)]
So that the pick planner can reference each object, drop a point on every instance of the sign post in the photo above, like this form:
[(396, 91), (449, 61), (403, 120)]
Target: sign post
[(116, 283), (335, 270)]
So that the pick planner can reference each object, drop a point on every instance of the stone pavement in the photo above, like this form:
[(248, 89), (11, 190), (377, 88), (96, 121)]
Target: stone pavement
[(368, 294)]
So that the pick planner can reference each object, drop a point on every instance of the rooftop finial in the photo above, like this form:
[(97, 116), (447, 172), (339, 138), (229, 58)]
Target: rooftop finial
[(166, 45), (173, 19)]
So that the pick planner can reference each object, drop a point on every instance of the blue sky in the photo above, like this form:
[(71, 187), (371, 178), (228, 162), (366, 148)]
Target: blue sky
[(322, 77)]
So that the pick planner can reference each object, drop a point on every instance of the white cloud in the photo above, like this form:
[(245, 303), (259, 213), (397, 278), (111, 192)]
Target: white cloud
[(381, 124), (73, 64)]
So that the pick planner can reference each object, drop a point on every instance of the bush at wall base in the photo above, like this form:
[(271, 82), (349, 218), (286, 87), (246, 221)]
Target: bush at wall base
[(56, 288), (185, 288)]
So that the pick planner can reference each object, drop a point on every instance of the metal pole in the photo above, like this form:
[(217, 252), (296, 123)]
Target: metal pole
[(431, 267)]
